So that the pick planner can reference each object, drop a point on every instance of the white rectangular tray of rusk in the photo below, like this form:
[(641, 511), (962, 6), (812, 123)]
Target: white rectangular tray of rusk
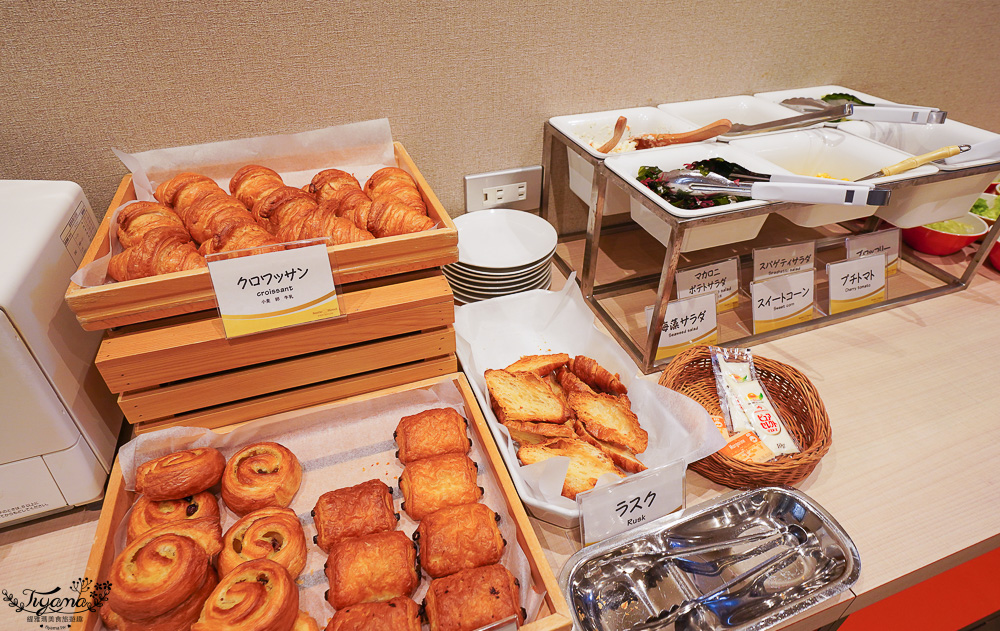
[(495, 333)]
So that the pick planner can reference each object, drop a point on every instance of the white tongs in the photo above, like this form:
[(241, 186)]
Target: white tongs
[(778, 187)]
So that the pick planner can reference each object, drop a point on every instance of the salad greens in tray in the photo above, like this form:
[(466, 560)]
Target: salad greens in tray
[(657, 180)]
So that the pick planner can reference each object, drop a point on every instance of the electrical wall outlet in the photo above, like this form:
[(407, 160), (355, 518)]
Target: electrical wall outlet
[(520, 189)]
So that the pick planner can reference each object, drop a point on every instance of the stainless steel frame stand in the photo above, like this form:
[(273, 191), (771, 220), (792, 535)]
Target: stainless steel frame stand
[(644, 352)]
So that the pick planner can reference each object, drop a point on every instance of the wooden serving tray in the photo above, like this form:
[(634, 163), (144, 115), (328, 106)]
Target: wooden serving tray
[(554, 614), (147, 299)]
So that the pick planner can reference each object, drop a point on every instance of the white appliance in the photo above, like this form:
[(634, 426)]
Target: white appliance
[(58, 422)]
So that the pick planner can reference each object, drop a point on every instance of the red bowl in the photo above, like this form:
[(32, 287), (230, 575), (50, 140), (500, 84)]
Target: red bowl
[(995, 256), (930, 241)]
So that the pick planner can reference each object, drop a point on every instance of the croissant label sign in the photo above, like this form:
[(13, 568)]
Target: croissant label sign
[(274, 289)]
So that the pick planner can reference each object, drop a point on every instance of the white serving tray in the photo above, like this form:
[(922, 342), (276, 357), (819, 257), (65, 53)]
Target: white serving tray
[(495, 333)]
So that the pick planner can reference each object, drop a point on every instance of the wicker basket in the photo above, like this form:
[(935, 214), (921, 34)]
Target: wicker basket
[(793, 396)]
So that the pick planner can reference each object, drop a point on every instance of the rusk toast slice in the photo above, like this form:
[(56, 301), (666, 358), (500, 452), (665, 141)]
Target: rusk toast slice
[(586, 462), (541, 365), (523, 397), (610, 419), (548, 430), (596, 376), (623, 458)]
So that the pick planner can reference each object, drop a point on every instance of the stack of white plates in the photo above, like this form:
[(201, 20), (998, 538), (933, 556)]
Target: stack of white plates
[(501, 252)]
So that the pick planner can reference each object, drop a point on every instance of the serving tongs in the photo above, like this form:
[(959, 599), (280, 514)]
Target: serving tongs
[(777, 187), (880, 113)]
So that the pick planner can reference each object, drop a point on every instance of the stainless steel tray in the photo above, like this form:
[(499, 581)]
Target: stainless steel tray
[(744, 561)]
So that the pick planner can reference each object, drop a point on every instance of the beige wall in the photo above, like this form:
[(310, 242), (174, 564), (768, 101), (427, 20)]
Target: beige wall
[(465, 85)]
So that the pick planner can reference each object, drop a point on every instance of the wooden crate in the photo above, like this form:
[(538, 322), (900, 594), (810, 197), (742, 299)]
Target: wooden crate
[(184, 371), (554, 615), (167, 295)]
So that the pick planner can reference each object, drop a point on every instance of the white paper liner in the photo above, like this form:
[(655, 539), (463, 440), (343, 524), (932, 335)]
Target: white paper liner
[(358, 148), (338, 446), (495, 333)]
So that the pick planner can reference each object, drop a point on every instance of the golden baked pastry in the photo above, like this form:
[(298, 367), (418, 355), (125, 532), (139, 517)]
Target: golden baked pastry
[(458, 538), (353, 511), (437, 482), (236, 236), (523, 397), (323, 223), (473, 598), (596, 376), (393, 181), (569, 382), (352, 204), (260, 475), (372, 568), (167, 191), (283, 206), (328, 182), (431, 433), (586, 462), (252, 182), (398, 614), (160, 580), (161, 250), (622, 457), (610, 418), (148, 514), (257, 596), (138, 218), (268, 533), (548, 430), (180, 474), (541, 365), (389, 217), (304, 622)]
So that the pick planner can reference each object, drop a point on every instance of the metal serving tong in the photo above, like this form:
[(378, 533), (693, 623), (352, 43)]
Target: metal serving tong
[(882, 113), (778, 187)]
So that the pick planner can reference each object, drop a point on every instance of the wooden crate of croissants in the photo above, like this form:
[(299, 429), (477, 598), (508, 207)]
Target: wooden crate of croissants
[(411, 523), (390, 224), (167, 356)]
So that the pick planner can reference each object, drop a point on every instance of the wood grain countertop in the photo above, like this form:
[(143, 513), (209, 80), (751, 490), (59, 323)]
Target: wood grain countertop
[(913, 475)]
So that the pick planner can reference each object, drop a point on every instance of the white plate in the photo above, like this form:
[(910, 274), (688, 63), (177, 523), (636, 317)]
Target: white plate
[(501, 238), (507, 287), (470, 275), (474, 296), (506, 274)]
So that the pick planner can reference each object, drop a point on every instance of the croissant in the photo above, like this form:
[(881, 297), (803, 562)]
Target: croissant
[(283, 206), (252, 182), (160, 251), (237, 236), (397, 182), (339, 230), (355, 205), (390, 217), (329, 181), (135, 220), (191, 194), (166, 192)]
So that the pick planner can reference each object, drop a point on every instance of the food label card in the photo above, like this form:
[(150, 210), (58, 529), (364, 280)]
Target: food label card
[(721, 278), (686, 323), (636, 500), (783, 259), (782, 301), (856, 283), (882, 242), (271, 290)]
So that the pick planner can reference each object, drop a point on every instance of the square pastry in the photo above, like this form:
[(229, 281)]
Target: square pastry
[(437, 482), (353, 511), (372, 568), (431, 433), (473, 598), (458, 538)]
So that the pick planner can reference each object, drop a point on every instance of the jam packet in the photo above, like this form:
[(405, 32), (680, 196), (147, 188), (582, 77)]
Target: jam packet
[(744, 401)]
